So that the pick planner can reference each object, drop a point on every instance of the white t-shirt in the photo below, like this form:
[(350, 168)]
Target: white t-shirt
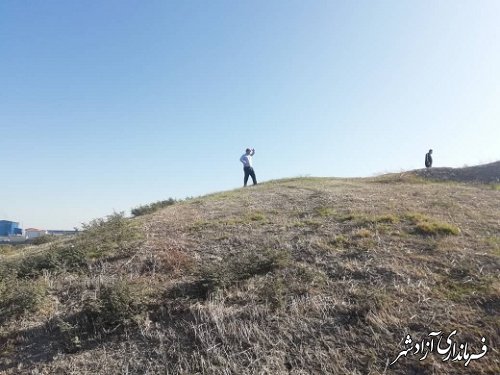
[(247, 159)]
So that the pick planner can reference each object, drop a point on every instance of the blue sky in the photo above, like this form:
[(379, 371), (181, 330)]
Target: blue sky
[(106, 105)]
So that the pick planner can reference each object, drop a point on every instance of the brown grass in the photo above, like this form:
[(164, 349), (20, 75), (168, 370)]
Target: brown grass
[(298, 276)]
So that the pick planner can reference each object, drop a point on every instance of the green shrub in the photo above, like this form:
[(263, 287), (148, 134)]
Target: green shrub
[(152, 207), (112, 236), (69, 258), (18, 297), (239, 267), (33, 265), (112, 305)]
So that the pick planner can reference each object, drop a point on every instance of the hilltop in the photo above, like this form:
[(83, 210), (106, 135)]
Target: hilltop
[(486, 173), (295, 276)]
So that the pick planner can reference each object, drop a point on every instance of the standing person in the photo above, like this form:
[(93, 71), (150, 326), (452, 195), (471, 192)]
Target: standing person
[(246, 159), (428, 159)]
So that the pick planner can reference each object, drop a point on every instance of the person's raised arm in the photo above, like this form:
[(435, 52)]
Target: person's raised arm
[(252, 152)]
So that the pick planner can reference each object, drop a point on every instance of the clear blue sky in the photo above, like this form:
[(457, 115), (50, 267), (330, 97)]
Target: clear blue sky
[(106, 105)]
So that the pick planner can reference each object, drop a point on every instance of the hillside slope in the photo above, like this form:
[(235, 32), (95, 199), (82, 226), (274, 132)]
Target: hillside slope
[(297, 276)]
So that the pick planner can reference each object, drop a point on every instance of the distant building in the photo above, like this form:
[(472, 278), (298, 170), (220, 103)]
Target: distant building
[(34, 233), (9, 228)]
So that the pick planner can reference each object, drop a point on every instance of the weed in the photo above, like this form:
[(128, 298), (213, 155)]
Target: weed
[(324, 211), (360, 219), (458, 290), (494, 243), (340, 240), (347, 217), (273, 292), (428, 226), (334, 243), (435, 227), (387, 218), (297, 224), (201, 225), (256, 216), (308, 275), (171, 261)]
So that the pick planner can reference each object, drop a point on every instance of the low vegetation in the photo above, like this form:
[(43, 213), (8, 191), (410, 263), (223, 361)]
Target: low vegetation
[(428, 226), (293, 276), (152, 207)]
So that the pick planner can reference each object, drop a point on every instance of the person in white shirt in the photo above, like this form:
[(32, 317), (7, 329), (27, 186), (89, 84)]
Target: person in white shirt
[(246, 159)]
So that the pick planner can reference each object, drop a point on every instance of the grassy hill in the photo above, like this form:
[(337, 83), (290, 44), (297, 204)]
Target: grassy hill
[(296, 276)]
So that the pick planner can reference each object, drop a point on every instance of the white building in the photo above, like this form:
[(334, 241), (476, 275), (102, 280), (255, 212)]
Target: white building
[(34, 233)]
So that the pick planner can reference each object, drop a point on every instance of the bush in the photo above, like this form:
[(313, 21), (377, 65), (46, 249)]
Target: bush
[(114, 235), (241, 267), (152, 207), (33, 265), (69, 258), (18, 297), (43, 239), (112, 305), (102, 237)]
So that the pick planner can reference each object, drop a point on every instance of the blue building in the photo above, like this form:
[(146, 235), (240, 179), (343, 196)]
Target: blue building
[(9, 228)]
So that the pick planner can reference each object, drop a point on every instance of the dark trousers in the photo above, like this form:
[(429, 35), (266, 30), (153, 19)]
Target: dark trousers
[(249, 172)]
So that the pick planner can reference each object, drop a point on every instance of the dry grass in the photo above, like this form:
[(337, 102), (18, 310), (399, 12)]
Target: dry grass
[(298, 276)]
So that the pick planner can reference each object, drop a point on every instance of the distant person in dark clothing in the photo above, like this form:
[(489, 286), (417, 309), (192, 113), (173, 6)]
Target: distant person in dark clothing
[(246, 159), (428, 159)]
